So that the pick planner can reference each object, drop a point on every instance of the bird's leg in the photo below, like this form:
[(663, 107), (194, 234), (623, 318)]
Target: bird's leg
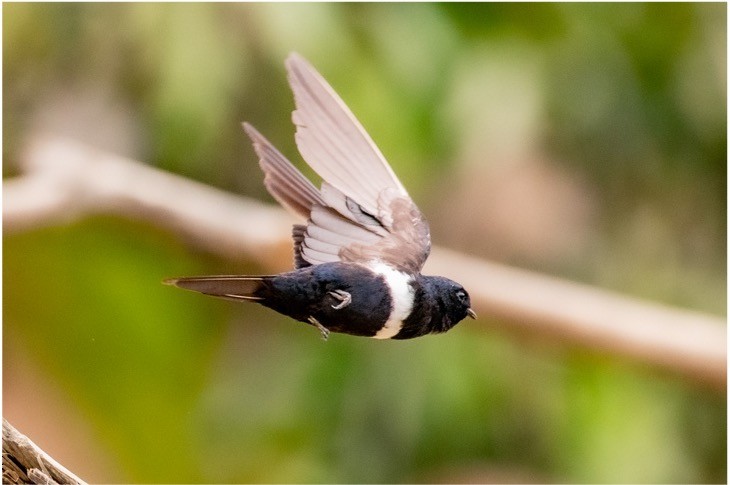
[(325, 332), (344, 299)]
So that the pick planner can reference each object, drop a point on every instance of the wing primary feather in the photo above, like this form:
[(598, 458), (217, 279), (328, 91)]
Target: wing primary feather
[(328, 129), (282, 179), (317, 101), (323, 145), (332, 108), (287, 197)]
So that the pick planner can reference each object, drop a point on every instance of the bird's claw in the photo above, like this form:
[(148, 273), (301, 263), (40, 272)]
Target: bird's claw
[(323, 330), (344, 299)]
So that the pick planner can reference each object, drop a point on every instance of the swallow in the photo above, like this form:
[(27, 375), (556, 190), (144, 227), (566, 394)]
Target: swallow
[(358, 257)]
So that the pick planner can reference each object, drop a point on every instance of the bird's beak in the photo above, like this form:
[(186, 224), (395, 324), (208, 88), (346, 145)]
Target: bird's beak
[(471, 313)]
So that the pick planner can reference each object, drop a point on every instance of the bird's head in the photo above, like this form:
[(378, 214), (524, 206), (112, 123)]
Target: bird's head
[(453, 299)]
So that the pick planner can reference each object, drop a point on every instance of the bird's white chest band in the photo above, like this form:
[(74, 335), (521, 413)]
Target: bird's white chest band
[(401, 295)]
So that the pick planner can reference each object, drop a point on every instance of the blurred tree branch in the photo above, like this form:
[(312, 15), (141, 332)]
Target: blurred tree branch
[(25, 462), (64, 180)]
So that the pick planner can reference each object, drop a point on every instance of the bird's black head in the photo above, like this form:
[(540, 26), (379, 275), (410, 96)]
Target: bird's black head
[(453, 302)]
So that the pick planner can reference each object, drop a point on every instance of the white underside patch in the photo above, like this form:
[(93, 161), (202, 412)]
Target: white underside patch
[(401, 294)]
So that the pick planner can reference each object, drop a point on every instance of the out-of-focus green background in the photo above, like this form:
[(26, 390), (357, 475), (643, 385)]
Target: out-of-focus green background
[(584, 141)]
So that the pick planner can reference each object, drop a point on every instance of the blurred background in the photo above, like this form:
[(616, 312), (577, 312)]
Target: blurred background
[(582, 141)]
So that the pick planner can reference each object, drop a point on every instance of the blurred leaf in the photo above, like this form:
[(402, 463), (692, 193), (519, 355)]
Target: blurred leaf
[(88, 302)]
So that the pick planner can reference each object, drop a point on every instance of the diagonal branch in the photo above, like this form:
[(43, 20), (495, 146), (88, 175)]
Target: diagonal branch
[(64, 180), (25, 462)]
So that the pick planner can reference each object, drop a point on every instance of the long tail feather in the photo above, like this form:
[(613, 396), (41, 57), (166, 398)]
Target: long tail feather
[(229, 287)]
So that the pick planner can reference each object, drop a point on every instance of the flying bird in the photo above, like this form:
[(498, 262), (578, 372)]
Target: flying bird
[(359, 256)]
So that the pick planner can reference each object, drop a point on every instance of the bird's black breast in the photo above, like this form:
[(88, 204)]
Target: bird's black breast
[(305, 293)]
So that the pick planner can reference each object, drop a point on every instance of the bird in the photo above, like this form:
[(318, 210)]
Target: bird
[(358, 257)]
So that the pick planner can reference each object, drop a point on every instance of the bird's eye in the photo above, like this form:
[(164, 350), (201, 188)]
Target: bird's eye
[(461, 295)]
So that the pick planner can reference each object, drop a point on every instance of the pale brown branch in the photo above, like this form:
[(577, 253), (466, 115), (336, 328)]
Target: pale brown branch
[(64, 180), (683, 341), (25, 462)]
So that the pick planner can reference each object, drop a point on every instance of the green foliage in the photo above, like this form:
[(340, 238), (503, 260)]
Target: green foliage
[(88, 301)]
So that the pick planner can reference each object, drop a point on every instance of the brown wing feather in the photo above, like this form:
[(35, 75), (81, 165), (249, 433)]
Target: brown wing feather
[(283, 181), (362, 212), (333, 142)]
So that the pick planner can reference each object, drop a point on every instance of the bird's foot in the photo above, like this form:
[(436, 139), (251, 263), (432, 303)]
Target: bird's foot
[(323, 330), (344, 299)]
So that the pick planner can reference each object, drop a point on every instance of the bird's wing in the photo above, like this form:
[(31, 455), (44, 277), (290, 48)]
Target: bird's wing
[(362, 212), (282, 179), (333, 142)]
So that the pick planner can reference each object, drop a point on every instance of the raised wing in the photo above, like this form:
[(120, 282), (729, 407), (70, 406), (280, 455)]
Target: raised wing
[(282, 179), (362, 212), (333, 142)]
